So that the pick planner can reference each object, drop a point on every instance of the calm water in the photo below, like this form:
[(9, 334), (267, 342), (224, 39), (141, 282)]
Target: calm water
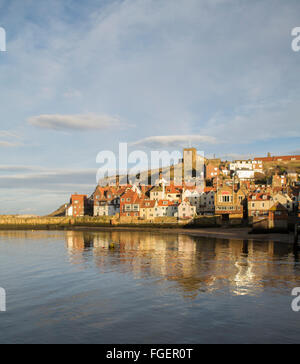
[(74, 287)]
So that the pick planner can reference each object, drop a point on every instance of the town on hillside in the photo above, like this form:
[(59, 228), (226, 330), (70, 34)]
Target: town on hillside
[(261, 191)]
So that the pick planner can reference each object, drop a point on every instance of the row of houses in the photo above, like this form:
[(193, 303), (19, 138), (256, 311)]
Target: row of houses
[(147, 202)]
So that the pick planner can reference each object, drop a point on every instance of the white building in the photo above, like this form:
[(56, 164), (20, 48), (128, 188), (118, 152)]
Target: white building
[(107, 208), (185, 210), (251, 165), (244, 174)]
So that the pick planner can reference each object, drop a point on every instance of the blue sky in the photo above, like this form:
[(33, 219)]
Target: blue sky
[(80, 77)]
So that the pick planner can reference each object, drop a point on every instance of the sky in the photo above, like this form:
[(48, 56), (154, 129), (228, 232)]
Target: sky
[(79, 77)]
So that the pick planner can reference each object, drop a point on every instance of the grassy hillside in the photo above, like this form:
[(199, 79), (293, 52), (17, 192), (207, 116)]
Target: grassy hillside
[(281, 166)]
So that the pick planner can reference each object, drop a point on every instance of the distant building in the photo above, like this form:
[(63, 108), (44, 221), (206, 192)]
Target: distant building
[(251, 165), (279, 158), (279, 181), (244, 174)]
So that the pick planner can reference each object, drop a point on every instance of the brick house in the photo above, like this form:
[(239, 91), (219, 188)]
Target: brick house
[(79, 205), (212, 170), (130, 204)]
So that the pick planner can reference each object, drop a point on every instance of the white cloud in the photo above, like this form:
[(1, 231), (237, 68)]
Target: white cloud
[(8, 139), (75, 122), (174, 141)]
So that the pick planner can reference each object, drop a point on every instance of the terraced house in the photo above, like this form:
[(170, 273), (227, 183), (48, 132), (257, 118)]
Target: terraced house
[(130, 204), (259, 204)]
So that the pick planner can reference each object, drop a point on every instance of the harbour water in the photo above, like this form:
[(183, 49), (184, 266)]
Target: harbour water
[(143, 287)]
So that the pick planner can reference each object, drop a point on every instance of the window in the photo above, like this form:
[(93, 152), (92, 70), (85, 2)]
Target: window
[(226, 198)]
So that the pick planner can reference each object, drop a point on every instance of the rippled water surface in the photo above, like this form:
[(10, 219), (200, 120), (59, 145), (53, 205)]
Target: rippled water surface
[(140, 287)]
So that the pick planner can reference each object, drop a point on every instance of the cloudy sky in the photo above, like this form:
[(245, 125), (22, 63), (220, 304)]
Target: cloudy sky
[(79, 77)]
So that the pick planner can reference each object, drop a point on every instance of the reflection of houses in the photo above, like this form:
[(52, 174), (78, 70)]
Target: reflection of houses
[(195, 264), (77, 240)]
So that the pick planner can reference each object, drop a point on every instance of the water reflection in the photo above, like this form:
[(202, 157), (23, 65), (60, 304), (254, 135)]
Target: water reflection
[(194, 264)]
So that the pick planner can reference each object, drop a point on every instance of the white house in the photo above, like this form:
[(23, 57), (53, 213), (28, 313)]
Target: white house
[(107, 208), (251, 165), (244, 174), (185, 210)]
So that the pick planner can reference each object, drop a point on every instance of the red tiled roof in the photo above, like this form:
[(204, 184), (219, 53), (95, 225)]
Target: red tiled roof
[(166, 203), (259, 197), (147, 204)]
